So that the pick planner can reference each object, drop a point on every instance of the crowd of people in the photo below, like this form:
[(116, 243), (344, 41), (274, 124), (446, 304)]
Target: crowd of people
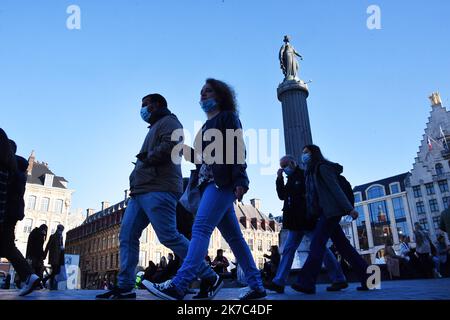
[(316, 196)]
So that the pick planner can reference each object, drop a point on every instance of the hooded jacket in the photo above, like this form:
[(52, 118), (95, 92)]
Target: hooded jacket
[(332, 199)]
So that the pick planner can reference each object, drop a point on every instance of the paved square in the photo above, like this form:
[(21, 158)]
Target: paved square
[(427, 289)]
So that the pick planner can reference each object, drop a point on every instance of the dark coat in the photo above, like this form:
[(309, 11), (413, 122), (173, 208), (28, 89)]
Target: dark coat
[(53, 248), (294, 207), (35, 245), (15, 205), (226, 174), (332, 199)]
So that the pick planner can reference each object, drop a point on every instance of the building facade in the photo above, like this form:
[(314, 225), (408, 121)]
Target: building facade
[(390, 207), (97, 241), (47, 201), (383, 213), (428, 184)]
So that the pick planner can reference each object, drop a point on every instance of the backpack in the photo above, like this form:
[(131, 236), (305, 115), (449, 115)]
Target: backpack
[(346, 187)]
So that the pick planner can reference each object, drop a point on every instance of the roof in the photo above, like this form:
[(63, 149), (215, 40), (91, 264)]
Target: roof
[(400, 178), (250, 212), (108, 211), (38, 173)]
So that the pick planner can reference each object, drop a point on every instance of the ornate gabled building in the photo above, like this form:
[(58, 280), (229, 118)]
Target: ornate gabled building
[(97, 240), (390, 207), (427, 186), (47, 201)]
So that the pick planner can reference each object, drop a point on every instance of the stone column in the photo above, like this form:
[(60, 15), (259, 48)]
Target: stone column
[(297, 129)]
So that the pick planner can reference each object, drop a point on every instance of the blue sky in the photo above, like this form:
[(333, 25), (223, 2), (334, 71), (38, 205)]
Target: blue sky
[(74, 96)]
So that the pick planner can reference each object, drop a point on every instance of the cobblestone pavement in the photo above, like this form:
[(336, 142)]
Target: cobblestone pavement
[(428, 289)]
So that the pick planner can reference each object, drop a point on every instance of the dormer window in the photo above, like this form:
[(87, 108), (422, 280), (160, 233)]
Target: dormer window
[(48, 182), (376, 191), (395, 187)]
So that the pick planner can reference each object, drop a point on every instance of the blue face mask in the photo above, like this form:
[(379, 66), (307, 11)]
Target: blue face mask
[(145, 114), (306, 158), (288, 171), (208, 105)]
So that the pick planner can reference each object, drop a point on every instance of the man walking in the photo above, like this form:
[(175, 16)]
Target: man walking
[(156, 185), (12, 188), (299, 225), (55, 251), (35, 249)]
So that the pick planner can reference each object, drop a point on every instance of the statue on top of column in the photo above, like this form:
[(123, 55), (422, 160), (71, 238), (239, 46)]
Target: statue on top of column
[(288, 60)]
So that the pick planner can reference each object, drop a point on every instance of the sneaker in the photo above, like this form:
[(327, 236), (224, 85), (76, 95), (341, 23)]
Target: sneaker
[(165, 290), (299, 288), (437, 274), (209, 288), (191, 291), (117, 294), (337, 286), (272, 286), (253, 295), (32, 283)]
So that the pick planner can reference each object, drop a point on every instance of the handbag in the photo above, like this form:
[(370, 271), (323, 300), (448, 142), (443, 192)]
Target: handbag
[(190, 200)]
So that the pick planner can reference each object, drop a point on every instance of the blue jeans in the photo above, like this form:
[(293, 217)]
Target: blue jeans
[(158, 208), (327, 228), (293, 241), (216, 209)]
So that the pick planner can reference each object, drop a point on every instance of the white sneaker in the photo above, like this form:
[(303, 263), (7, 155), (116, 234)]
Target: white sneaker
[(30, 285)]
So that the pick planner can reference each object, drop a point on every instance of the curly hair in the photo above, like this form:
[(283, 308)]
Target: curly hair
[(225, 95)]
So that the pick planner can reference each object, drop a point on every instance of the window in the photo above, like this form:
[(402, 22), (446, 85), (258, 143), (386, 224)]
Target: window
[(417, 192), (260, 263), (399, 211), (436, 221), (31, 202), (250, 244), (54, 225), (142, 258), (44, 204), (375, 192), (439, 169), (402, 228), (260, 247), (446, 201), (48, 182), (395, 188), (358, 197), (269, 244), (58, 206), (430, 188), (443, 186), (424, 223), (157, 256), (420, 207), (143, 238), (434, 205), (379, 221), (28, 225)]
